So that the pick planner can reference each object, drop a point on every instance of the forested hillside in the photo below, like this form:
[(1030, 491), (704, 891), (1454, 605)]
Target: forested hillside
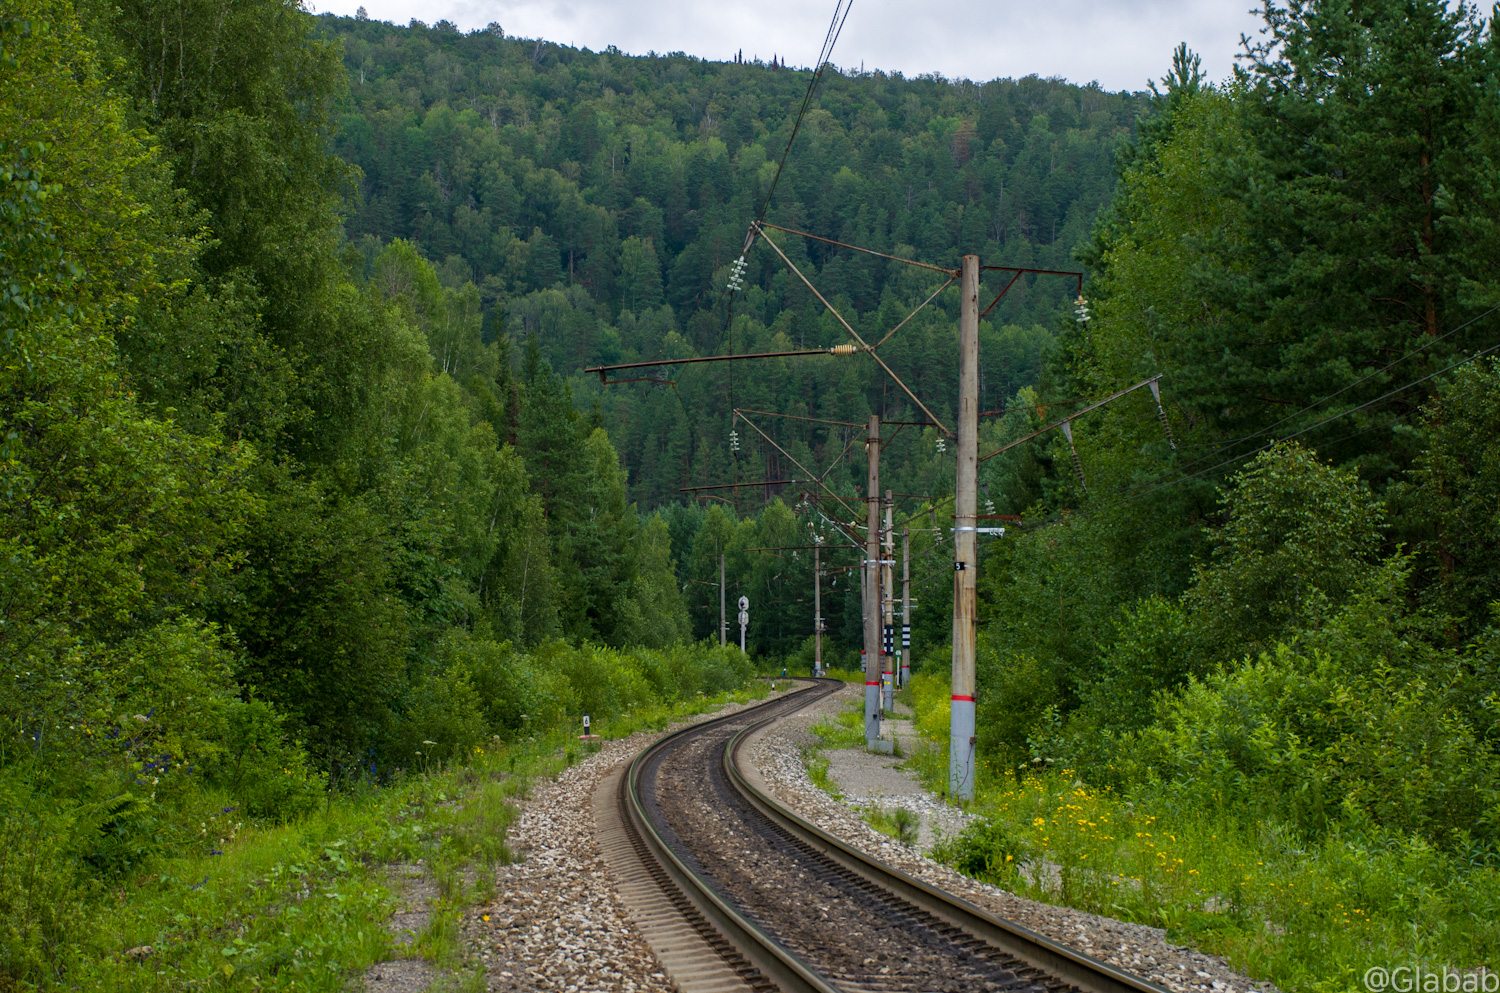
[(592, 205), (302, 487), (597, 200)]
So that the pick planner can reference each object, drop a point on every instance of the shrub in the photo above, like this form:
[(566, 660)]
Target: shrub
[(41, 901), (1015, 693), (266, 773), (930, 695), (986, 850), (442, 719), (1326, 740), (607, 682), (502, 678)]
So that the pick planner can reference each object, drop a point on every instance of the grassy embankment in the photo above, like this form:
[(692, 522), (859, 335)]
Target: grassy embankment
[(1309, 914), (303, 905)]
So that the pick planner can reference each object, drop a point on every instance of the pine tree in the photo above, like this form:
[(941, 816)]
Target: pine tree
[(1360, 118)]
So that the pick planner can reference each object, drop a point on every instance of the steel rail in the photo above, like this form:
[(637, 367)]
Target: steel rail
[(1084, 973), (779, 965), (763, 953)]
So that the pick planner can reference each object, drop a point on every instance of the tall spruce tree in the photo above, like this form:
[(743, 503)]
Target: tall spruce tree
[(1360, 119)]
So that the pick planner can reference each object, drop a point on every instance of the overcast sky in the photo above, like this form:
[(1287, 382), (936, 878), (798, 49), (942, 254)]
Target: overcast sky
[(1120, 43)]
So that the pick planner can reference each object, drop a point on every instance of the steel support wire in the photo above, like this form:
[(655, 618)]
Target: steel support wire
[(603, 371), (920, 307), (1318, 424), (864, 345), (952, 274), (800, 417), (848, 447), (737, 486), (830, 39), (844, 530), (814, 477)]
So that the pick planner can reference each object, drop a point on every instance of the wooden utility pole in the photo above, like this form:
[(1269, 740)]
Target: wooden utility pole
[(888, 609), (965, 539), (871, 573), (905, 607), (817, 608)]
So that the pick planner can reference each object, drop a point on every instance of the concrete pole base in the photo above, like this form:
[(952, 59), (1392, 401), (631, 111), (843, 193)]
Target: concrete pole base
[(872, 715), (961, 749)]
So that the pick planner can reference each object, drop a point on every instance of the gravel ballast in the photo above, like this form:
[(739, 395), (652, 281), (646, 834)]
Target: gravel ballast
[(776, 754), (558, 924)]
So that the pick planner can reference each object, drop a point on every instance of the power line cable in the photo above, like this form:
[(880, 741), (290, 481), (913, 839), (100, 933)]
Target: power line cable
[(1340, 392), (830, 39), (1187, 477)]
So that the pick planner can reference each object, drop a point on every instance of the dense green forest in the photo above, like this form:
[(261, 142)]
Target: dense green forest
[(1307, 257), (593, 204), (302, 486), (598, 200), (275, 517)]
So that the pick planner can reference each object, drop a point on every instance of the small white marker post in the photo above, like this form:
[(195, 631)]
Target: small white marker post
[(587, 733)]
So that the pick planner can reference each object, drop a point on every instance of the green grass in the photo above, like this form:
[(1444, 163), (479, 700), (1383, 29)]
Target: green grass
[(846, 729), (303, 906), (817, 770), (1310, 915), (894, 822)]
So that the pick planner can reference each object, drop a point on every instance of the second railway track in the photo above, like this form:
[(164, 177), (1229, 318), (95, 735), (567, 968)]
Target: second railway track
[(735, 892)]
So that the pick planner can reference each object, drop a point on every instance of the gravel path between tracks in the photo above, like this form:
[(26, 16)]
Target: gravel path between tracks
[(863, 778)]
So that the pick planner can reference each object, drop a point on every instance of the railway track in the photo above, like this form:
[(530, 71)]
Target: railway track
[(736, 893)]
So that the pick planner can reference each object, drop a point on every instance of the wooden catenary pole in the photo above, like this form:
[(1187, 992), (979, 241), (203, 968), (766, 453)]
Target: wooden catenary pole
[(871, 573), (965, 539)]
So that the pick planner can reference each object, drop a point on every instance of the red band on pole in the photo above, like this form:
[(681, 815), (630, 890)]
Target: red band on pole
[(869, 683), (963, 699)]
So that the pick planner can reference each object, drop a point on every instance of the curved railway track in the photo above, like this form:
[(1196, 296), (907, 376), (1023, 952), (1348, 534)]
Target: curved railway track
[(734, 892)]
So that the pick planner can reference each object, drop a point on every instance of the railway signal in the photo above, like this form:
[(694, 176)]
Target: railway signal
[(905, 607)]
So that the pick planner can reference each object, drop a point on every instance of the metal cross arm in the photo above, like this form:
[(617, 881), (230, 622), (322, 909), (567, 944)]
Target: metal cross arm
[(1027, 270), (604, 370), (1055, 425), (1017, 272)]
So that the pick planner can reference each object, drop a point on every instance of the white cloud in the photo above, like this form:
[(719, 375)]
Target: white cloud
[(1121, 44)]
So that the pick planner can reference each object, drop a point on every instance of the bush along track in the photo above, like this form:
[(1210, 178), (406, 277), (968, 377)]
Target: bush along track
[(1139, 950), (1309, 914)]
